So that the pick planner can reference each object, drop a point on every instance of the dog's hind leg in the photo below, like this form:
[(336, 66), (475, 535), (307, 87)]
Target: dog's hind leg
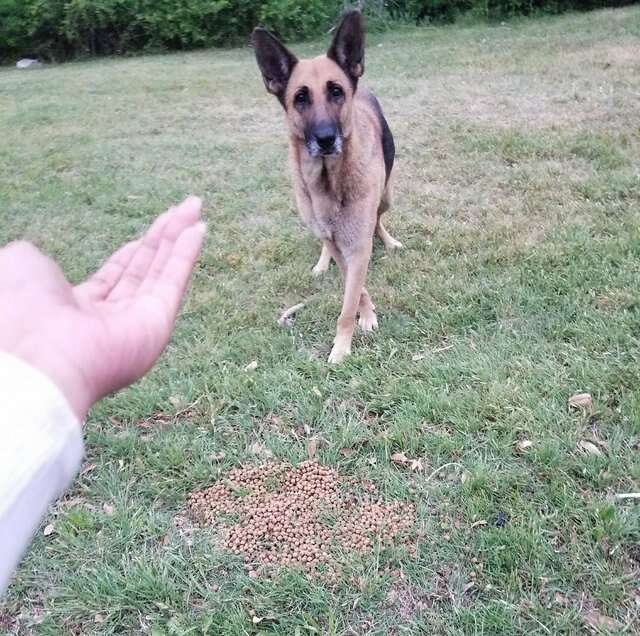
[(323, 262), (389, 242)]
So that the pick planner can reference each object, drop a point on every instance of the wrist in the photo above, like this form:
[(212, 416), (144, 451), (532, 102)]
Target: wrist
[(57, 367)]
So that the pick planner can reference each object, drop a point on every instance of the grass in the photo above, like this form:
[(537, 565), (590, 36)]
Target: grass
[(518, 202)]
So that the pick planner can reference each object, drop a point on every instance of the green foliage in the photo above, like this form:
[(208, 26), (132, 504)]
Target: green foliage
[(449, 10), (59, 29)]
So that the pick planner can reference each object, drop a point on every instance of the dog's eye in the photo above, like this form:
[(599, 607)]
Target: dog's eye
[(335, 91), (301, 98)]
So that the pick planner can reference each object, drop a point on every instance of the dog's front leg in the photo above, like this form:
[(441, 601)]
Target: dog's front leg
[(354, 264)]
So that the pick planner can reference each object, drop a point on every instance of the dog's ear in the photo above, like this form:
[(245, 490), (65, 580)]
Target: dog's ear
[(347, 48), (275, 61)]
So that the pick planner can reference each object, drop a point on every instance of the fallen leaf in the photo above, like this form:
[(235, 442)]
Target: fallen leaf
[(316, 391), (589, 447), (49, 529), (403, 460), (581, 401), (252, 366), (256, 620), (108, 509), (98, 618), (392, 596), (400, 458), (258, 449), (523, 444), (87, 469), (467, 587), (217, 457), (596, 620), (346, 452), (312, 447), (465, 477), (481, 522), (417, 357), (560, 599), (175, 401)]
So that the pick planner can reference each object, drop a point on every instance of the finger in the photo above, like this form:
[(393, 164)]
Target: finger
[(194, 205), (98, 286), (169, 224), (172, 282)]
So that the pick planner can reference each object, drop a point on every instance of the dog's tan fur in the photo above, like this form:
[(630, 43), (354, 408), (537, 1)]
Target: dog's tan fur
[(340, 197)]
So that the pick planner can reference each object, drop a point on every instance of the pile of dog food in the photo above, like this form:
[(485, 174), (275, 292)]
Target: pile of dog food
[(299, 516)]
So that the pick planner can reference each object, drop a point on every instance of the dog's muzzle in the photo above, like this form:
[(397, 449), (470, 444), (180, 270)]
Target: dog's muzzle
[(324, 140)]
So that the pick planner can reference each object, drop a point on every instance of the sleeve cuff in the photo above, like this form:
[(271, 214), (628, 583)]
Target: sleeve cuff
[(41, 450)]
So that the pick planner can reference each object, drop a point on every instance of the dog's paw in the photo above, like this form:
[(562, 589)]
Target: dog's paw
[(320, 268), (392, 244), (339, 353), (368, 321)]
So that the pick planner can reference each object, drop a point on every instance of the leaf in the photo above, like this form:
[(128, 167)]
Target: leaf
[(403, 460), (98, 618), (523, 445), (252, 366), (316, 391), (596, 620), (258, 449), (589, 447), (346, 452), (48, 530), (176, 402), (108, 509), (217, 457), (400, 458), (312, 447), (581, 401), (87, 469)]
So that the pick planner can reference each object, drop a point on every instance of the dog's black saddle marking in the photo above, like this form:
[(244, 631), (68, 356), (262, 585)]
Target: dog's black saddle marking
[(388, 145)]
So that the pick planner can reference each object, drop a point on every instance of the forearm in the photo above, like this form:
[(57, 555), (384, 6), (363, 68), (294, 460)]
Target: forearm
[(40, 452)]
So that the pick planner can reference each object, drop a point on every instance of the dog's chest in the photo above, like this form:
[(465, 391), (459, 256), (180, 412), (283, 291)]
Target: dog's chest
[(325, 198)]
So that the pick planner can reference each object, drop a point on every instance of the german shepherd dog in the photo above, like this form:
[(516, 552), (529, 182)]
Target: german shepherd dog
[(341, 152)]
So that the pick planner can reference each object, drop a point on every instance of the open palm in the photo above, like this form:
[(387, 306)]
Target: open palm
[(107, 332)]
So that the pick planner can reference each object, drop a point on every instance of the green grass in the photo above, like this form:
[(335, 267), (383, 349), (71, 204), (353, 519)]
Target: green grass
[(518, 202)]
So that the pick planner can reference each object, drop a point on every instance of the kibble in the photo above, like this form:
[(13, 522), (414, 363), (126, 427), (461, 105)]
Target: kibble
[(301, 516)]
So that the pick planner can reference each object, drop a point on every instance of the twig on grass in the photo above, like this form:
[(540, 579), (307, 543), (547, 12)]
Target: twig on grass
[(287, 316)]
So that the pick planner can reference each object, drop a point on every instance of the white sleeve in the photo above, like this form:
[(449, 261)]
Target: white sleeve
[(40, 453)]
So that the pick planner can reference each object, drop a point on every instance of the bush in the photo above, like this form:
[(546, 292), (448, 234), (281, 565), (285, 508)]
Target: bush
[(59, 29)]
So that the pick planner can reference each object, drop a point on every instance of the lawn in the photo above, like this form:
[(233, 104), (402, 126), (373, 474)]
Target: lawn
[(518, 203)]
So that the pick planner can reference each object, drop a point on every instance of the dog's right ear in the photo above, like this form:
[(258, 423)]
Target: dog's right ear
[(275, 60)]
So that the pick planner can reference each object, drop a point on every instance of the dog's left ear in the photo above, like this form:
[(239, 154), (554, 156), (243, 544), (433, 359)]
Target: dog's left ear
[(347, 48)]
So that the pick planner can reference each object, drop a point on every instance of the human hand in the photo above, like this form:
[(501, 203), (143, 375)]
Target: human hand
[(107, 332)]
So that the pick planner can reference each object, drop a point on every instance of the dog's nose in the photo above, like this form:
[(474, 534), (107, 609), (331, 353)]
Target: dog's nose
[(326, 140), (325, 134)]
